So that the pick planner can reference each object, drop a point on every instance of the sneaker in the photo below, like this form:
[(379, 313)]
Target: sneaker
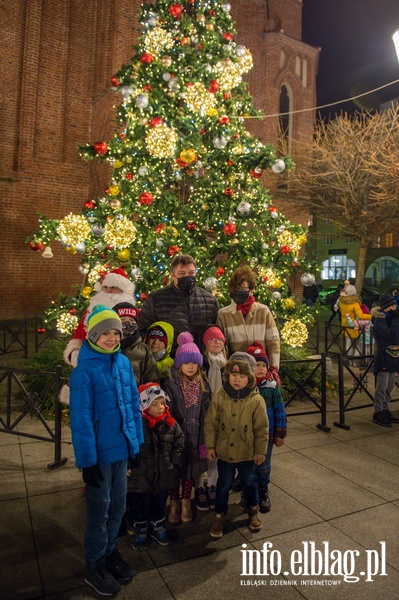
[(119, 568), (201, 500), (391, 418), (101, 580), (379, 418), (243, 503), (264, 500), (139, 531), (159, 533), (211, 495), (218, 524)]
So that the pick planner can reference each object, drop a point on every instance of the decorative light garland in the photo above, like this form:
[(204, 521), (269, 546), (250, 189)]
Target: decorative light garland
[(73, 229)]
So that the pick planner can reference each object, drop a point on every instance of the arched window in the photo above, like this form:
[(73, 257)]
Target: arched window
[(338, 267)]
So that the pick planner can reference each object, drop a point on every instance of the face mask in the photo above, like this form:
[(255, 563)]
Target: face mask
[(160, 354), (129, 329), (186, 284), (239, 297)]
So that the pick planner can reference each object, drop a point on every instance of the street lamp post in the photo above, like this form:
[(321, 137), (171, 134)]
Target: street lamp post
[(395, 39)]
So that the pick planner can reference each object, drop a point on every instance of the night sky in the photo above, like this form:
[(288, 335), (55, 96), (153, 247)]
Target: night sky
[(357, 52)]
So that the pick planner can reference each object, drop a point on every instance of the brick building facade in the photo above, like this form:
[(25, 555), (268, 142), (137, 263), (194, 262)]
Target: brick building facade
[(56, 60)]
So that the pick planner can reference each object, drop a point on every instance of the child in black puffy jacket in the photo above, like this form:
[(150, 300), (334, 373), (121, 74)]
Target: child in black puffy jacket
[(156, 469)]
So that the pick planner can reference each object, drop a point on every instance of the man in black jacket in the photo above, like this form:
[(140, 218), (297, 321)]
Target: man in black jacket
[(182, 304)]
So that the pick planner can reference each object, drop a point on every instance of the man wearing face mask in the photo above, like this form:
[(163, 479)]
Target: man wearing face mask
[(139, 354), (245, 320), (183, 304)]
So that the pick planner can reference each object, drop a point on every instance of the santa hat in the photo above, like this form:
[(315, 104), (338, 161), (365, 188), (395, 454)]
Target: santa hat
[(258, 352), (156, 332), (125, 309), (213, 333), (243, 363), (115, 278), (102, 319), (187, 351), (149, 392)]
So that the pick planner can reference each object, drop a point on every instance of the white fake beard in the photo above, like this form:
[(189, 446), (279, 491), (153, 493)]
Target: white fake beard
[(108, 300)]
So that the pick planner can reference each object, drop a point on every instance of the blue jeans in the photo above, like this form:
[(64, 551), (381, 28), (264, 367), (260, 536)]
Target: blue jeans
[(105, 509), (226, 473), (263, 471), (147, 507)]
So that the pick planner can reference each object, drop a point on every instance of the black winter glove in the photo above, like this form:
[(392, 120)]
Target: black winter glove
[(92, 476)]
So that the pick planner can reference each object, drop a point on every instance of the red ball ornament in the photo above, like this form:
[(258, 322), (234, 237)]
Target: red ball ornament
[(212, 12), (203, 131), (285, 250), (41, 330), (122, 136), (213, 86), (36, 246), (272, 208), (224, 120), (230, 162), (146, 198), (255, 174), (227, 37), (191, 226), (129, 176), (89, 204), (100, 147), (143, 296), (219, 272), (185, 41), (228, 192), (176, 10), (172, 250), (156, 121), (159, 228), (146, 58), (229, 229), (227, 95), (72, 311), (114, 81), (146, 88)]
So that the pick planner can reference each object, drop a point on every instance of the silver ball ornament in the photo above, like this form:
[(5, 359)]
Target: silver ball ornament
[(210, 283), (241, 50), (81, 248), (141, 101), (278, 166), (244, 208), (142, 171), (97, 230), (276, 295), (308, 279), (226, 7)]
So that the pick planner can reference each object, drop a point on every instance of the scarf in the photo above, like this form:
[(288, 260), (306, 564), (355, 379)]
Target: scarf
[(267, 381), (191, 391), (216, 362), (246, 307), (152, 421)]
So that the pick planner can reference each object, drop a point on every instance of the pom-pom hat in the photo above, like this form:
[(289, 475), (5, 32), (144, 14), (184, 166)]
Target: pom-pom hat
[(350, 290), (116, 278), (102, 319), (150, 392), (258, 352), (386, 300), (187, 351), (213, 333), (243, 363)]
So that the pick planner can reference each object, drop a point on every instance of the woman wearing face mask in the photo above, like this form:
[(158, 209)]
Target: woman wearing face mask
[(139, 354), (246, 321)]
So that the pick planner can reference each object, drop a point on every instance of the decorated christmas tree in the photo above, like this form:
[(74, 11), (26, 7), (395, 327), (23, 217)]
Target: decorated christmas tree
[(186, 172)]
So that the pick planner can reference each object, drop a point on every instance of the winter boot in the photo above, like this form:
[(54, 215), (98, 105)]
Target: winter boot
[(159, 533), (388, 415), (174, 512), (211, 495), (140, 535), (119, 568), (186, 514), (101, 580), (201, 500), (218, 525), (380, 418), (264, 500), (255, 524)]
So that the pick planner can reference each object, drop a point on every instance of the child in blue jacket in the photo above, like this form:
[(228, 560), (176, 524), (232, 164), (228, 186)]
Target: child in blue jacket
[(271, 392), (106, 430)]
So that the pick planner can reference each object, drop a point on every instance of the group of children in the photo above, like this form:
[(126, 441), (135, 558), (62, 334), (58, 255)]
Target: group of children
[(170, 425)]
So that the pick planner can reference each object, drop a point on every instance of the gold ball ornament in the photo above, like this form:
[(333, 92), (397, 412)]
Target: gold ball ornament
[(71, 250), (165, 61), (234, 241), (209, 27), (288, 303), (117, 164), (114, 190), (124, 254), (188, 156), (205, 207), (200, 18), (86, 292), (277, 283), (115, 204)]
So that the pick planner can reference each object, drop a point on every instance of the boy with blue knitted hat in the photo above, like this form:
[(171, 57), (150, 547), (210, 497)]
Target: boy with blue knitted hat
[(107, 430)]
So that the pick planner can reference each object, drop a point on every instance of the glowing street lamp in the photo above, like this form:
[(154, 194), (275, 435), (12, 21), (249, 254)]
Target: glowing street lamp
[(395, 39)]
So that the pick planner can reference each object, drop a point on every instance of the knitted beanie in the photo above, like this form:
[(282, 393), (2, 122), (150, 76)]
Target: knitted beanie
[(386, 300), (150, 392), (157, 333), (350, 290), (213, 333), (187, 351), (102, 319), (243, 363), (258, 352), (125, 309)]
